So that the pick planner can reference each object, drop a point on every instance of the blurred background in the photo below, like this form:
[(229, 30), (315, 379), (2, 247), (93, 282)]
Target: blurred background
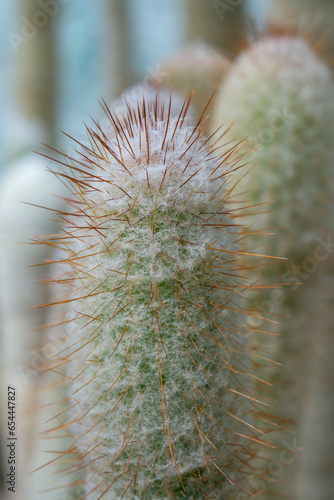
[(57, 59), (53, 75)]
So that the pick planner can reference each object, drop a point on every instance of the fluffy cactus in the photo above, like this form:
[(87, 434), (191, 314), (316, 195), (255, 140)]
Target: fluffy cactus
[(218, 23), (281, 96), (315, 478), (159, 375)]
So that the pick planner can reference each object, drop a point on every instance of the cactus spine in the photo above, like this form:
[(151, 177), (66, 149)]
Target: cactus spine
[(159, 375)]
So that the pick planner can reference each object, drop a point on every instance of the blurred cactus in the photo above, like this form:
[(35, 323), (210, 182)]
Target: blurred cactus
[(158, 365), (301, 7), (314, 18), (315, 478), (198, 67), (281, 95), (218, 23), (20, 290), (117, 43), (36, 67)]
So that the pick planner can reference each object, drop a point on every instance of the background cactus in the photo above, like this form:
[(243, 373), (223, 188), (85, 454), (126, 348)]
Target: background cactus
[(315, 477), (162, 397), (217, 23), (36, 72), (280, 95), (117, 36), (21, 289), (313, 18)]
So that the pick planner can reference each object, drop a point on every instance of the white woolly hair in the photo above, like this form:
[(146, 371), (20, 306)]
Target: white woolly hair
[(280, 95), (158, 364)]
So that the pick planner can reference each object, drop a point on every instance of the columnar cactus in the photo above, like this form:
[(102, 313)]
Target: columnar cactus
[(20, 289), (315, 479), (219, 23), (117, 43), (198, 67), (314, 18), (280, 95), (159, 375), (37, 69)]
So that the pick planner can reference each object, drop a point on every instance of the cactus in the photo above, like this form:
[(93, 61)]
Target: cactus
[(301, 7), (309, 17), (20, 290), (159, 372), (218, 23), (117, 44), (280, 94), (36, 68), (315, 478), (198, 67)]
